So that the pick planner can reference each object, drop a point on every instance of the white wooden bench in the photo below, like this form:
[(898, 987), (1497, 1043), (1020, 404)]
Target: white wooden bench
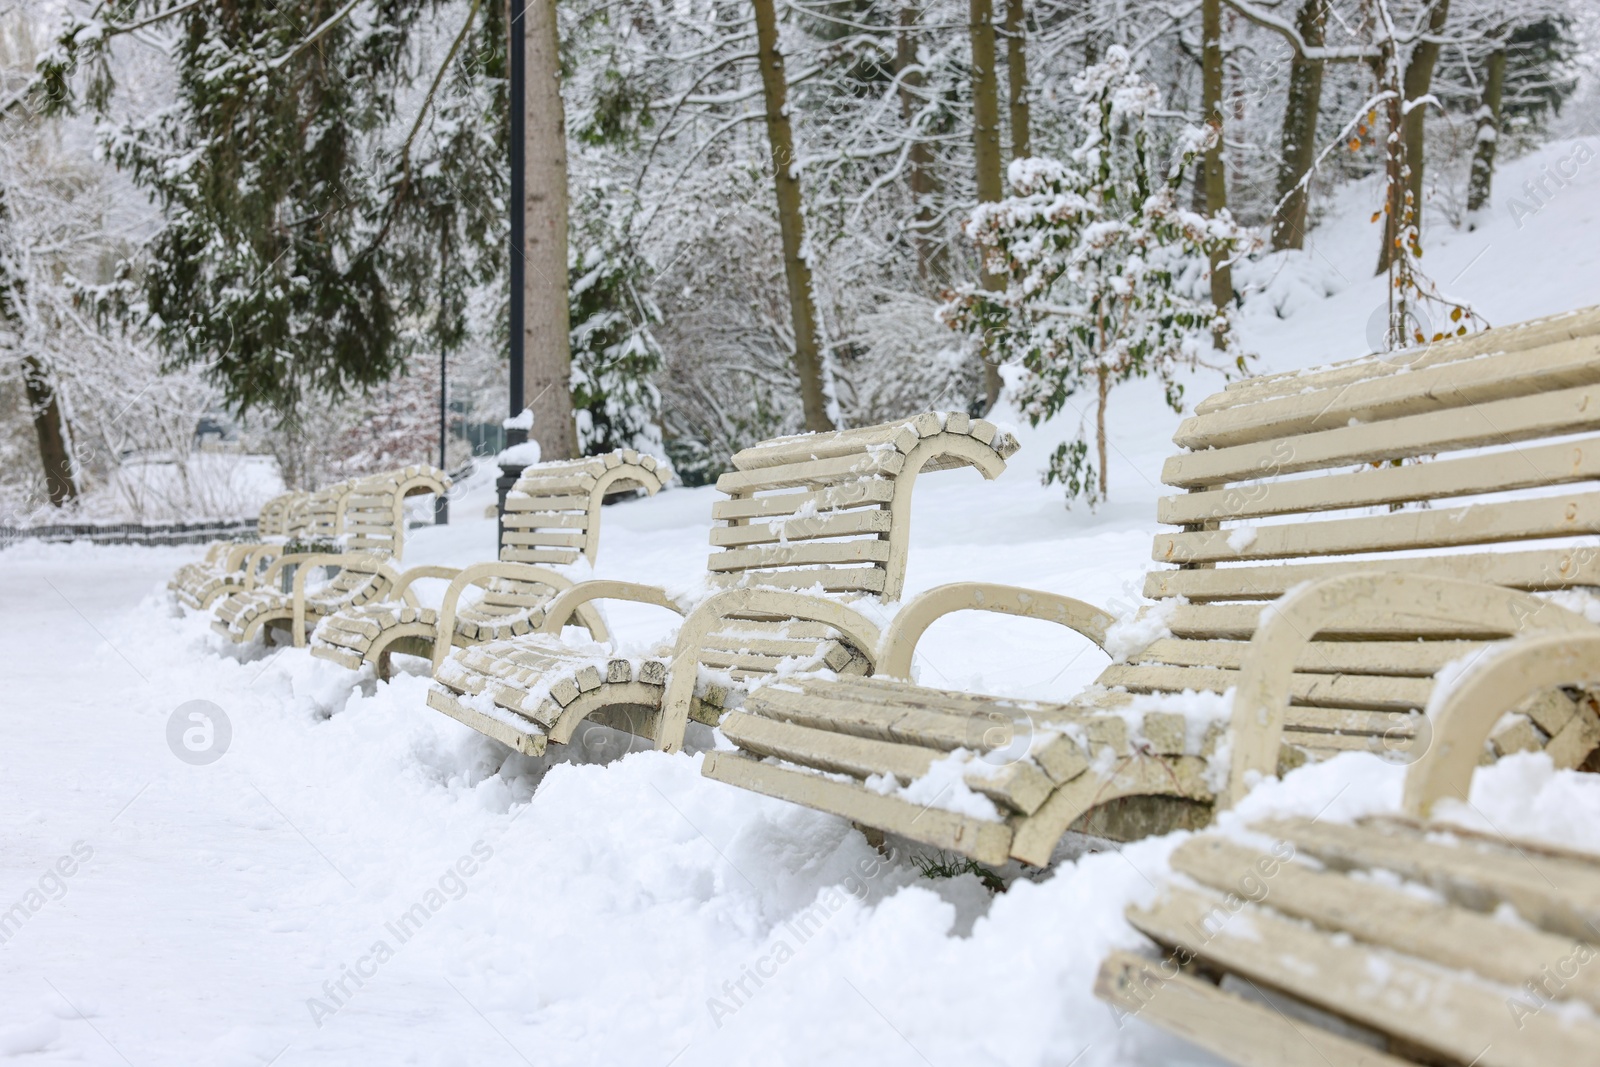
[(552, 522), (370, 530), (811, 526), (231, 566), (1400, 942), (1341, 535)]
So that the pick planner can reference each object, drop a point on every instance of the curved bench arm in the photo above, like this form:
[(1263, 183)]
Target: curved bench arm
[(477, 574), (1495, 682), (255, 559), (402, 586), (559, 612), (233, 556), (912, 621), (358, 561), (1262, 694), (684, 670)]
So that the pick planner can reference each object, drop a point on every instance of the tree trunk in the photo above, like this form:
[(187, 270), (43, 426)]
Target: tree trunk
[(791, 219), (1418, 81), (1299, 131), (547, 355), (924, 184), (986, 151), (1216, 174), (1016, 30), (1103, 377), (1397, 205), (1488, 138), (51, 428)]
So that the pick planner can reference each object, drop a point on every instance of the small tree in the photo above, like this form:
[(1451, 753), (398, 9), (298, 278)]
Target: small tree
[(614, 351), (1101, 265)]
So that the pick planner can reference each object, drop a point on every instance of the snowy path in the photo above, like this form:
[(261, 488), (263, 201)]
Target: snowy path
[(219, 912)]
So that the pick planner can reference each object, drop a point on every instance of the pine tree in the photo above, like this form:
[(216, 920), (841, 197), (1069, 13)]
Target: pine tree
[(1100, 261), (309, 192), (614, 351)]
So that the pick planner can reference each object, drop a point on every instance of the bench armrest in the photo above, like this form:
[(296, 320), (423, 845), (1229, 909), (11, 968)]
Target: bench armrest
[(1266, 675), (478, 574), (1465, 714), (309, 561), (560, 611), (254, 559), (402, 586), (912, 621), (683, 671)]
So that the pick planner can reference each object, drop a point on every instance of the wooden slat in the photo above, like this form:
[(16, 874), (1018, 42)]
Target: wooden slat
[(1390, 917), (538, 555), (800, 555), (1449, 1015), (911, 725), (900, 435), (1563, 365), (1332, 690), (838, 524), (1205, 621), (546, 503), (552, 520), (1517, 337), (1242, 1032), (830, 580), (1499, 422), (1554, 893), (544, 538), (817, 472), (1020, 786), (827, 749), (1476, 524), (1404, 659), (1547, 568), (867, 491), (1521, 468), (988, 842)]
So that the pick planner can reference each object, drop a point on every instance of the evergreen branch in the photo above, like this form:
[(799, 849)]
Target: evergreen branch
[(405, 149), (153, 19), (316, 35)]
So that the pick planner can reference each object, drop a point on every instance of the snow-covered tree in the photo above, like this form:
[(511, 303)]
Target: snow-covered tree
[(1101, 263), (613, 315)]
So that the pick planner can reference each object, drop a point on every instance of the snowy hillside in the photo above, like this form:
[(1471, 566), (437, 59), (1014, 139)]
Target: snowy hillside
[(361, 880)]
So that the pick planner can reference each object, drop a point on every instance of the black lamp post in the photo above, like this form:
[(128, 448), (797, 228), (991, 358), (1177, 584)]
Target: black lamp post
[(517, 261), (441, 501)]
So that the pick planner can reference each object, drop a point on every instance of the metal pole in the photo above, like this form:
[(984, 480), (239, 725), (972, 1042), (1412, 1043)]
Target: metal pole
[(519, 200), (441, 502), (517, 261)]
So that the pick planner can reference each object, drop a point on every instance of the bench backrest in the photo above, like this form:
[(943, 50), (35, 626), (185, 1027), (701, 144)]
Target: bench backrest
[(1441, 461), (833, 510), (277, 514), (552, 514), (324, 517), (374, 509)]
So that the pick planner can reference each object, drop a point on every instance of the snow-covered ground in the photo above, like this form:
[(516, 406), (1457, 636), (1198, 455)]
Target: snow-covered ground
[(360, 880)]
